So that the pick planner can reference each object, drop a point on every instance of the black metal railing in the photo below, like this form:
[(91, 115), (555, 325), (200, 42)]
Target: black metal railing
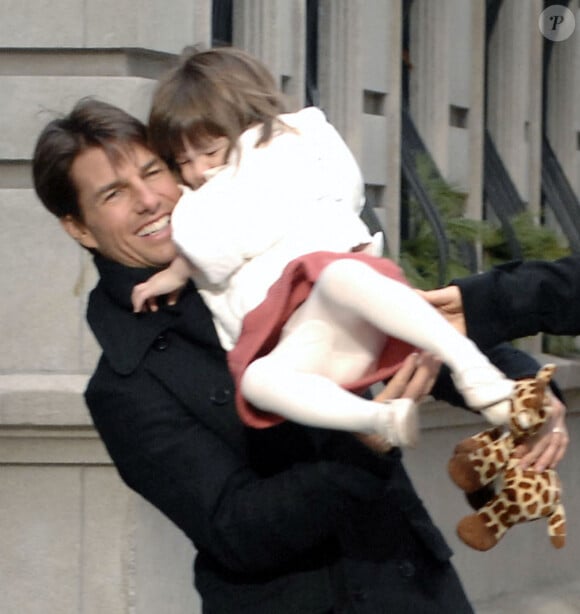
[(501, 194), (560, 197), (412, 146)]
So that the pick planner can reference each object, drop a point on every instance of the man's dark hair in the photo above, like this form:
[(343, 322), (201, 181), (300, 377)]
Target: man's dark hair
[(91, 123)]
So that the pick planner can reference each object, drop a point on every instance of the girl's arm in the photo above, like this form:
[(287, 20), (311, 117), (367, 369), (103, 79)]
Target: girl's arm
[(169, 281)]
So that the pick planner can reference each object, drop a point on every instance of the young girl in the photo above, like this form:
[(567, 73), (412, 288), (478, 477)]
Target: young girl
[(271, 236)]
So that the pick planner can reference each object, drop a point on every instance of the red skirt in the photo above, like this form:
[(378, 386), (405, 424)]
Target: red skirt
[(263, 326)]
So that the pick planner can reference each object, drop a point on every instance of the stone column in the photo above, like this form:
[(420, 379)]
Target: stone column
[(563, 108), (514, 93), (474, 206), (429, 80), (275, 32), (340, 67)]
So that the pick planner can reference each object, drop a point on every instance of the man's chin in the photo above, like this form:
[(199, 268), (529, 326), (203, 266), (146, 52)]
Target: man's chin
[(161, 261)]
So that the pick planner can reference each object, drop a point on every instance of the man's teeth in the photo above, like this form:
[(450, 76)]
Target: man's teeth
[(155, 226)]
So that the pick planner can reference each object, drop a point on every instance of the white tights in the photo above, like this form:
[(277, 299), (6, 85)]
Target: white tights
[(337, 335)]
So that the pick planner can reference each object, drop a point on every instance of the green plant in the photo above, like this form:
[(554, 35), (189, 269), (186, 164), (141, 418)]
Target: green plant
[(535, 241), (559, 345), (419, 255)]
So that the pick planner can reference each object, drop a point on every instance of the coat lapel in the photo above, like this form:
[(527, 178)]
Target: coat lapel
[(128, 339)]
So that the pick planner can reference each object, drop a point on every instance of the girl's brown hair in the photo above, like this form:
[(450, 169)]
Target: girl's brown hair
[(214, 93)]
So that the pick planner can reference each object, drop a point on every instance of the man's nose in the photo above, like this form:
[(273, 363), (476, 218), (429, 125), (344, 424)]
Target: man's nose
[(147, 199)]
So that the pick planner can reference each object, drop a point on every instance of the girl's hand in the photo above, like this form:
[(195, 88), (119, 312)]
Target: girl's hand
[(144, 296), (170, 281)]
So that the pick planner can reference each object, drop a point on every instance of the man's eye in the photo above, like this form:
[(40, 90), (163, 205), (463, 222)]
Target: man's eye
[(109, 196), (153, 171)]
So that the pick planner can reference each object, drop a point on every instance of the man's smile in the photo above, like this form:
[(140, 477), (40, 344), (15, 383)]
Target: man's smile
[(155, 226)]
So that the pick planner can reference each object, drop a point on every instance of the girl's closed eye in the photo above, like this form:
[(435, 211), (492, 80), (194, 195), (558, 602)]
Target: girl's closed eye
[(181, 160), (195, 161), (215, 151)]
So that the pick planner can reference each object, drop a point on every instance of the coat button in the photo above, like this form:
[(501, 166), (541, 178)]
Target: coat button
[(221, 396), (161, 343), (406, 568)]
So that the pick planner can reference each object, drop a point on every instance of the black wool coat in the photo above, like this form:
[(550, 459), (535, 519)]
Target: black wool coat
[(284, 520), (518, 299)]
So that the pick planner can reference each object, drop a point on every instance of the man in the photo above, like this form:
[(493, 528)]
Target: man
[(286, 519)]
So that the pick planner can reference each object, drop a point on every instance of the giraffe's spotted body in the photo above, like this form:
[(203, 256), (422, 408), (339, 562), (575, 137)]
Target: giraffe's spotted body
[(518, 495)]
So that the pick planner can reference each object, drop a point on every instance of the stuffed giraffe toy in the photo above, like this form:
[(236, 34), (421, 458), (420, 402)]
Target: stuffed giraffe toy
[(501, 493)]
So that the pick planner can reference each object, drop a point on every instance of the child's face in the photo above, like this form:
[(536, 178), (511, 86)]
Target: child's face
[(195, 161)]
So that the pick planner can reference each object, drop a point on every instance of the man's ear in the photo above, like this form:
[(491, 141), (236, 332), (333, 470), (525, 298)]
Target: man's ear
[(78, 231)]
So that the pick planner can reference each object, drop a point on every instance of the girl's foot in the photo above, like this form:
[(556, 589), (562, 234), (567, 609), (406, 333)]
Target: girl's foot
[(398, 422), (486, 390)]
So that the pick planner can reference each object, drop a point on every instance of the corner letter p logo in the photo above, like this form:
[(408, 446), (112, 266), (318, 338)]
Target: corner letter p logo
[(557, 23)]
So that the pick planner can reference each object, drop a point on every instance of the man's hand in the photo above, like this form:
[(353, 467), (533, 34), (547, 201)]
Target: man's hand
[(413, 380), (449, 304), (547, 448)]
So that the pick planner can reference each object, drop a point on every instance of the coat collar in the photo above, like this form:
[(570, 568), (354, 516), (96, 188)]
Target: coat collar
[(125, 336)]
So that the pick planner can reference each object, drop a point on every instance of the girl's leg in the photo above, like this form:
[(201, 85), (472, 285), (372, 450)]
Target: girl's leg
[(398, 311), (295, 381)]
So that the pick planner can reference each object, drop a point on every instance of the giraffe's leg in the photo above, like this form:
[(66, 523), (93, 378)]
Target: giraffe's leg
[(557, 526), (480, 496), (471, 471), (526, 496), (479, 530), (470, 444)]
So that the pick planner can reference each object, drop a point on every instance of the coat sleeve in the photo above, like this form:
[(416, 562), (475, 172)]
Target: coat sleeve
[(519, 299), (249, 523)]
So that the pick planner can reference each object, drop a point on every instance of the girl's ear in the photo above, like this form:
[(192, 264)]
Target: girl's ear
[(78, 231)]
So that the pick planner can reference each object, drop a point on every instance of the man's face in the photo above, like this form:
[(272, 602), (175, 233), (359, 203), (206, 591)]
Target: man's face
[(126, 207)]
